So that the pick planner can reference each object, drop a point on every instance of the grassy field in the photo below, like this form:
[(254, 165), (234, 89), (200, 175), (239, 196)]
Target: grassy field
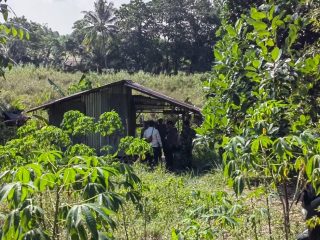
[(27, 87)]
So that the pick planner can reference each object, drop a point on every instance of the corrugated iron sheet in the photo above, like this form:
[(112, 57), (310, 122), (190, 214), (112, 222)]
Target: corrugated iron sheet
[(92, 102), (161, 96)]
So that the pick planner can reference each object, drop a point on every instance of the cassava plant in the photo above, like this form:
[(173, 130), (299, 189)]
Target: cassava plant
[(52, 189)]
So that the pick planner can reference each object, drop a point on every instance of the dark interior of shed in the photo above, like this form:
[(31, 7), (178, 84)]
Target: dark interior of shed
[(151, 108)]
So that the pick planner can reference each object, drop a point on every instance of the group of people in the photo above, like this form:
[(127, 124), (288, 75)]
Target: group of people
[(165, 136)]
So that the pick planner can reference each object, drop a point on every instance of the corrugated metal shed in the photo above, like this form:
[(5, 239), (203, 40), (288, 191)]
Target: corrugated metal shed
[(129, 84), (119, 97)]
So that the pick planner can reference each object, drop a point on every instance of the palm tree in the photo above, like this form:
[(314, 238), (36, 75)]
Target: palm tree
[(99, 27)]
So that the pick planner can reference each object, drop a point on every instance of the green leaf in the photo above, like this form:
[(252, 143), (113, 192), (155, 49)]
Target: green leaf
[(235, 49), (69, 176), (231, 31), (270, 42), (5, 190), (14, 31), (276, 54), (229, 169), (174, 235), (102, 213), (22, 175), (239, 25), (256, 63), (271, 12), (250, 68), (46, 180), (313, 162), (218, 55), (293, 35), (300, 162), (255, 146), (258, 25), (27, 35), (91, 221), (256, 15), (238, 185), (251, 74), (21, 34), (276, 22), (278, 147)]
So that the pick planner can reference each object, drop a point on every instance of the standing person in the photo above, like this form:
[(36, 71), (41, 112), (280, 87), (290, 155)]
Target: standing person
[(151, 134), (310, 203), (171, 144), (162, 128), (186, 138)]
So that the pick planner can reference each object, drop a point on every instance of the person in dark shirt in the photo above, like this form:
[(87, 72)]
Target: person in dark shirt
[(162, 128), (171, 144), (186, 140), (310, 203)]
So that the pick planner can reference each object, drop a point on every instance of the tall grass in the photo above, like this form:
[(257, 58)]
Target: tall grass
[(28, 86)]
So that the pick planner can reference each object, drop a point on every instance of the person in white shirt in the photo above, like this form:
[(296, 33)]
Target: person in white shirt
[(155, 140)]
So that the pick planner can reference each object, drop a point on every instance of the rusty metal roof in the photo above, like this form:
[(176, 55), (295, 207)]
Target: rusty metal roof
[(129, 84)]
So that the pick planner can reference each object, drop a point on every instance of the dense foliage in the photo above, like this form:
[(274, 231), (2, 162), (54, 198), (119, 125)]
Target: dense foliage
[(54, 189), (8, 32), (261, 123), (262, 102)]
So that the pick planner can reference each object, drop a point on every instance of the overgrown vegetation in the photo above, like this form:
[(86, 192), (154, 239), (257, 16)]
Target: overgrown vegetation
[(27, 87), (54, 189), (192, 206), (262, 104)]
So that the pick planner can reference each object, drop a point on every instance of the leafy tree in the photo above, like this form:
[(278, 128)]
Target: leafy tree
[(155, 36), (187, 29), (45, 47), (99, 27), (7, 30), (258, 105), (139, 39)]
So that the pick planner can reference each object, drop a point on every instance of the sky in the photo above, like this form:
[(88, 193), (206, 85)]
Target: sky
[(59, 15)]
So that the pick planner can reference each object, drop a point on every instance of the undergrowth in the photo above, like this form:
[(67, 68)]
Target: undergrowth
[(180, 204)]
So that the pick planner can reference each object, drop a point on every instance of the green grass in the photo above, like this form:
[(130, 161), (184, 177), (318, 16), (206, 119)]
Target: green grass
[(28, 86), (171, 198)]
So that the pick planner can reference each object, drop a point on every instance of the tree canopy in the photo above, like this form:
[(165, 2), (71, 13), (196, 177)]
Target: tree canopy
[(154, 36)]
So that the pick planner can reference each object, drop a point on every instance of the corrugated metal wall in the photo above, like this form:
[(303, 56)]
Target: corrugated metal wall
[(116, 98), (57, 111), (92, 102)]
